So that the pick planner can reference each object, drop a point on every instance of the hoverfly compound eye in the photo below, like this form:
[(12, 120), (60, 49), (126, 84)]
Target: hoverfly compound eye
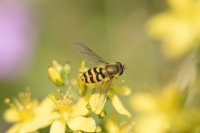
[(120, 68)]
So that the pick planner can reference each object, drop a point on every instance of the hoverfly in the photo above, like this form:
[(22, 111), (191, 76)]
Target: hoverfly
[(102, 74)]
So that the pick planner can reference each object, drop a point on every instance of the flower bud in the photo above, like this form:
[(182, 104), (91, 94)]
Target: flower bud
[(56, 77)]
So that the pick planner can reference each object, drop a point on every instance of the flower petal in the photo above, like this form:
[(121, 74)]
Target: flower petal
[(58, 126), (46, 106), (11, 115), (124, 90), (14, 129), (82, 123), (119, 107), (80, 108), (39, 122), (111, 126)]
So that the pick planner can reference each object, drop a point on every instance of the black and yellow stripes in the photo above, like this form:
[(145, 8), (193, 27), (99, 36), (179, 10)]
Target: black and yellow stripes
[(84, 78), (102, 73), (93, 75), (97, 73)]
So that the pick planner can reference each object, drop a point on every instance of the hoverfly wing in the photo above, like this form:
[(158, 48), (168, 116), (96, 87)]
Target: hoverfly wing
[(89, 55), (98, 99)]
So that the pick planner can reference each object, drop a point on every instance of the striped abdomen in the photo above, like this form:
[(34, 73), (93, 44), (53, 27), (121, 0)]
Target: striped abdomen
[(94, 75)]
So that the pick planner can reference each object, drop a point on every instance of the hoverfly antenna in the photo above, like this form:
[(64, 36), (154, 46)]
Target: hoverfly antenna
[(124, 66)]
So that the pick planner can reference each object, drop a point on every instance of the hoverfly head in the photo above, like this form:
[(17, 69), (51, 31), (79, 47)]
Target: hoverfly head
[(120, 67)]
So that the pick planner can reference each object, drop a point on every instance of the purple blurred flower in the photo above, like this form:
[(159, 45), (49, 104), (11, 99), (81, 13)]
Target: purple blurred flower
[(17, 38)]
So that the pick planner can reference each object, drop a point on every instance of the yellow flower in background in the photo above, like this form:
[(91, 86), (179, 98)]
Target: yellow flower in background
[(26, 114), (178, 28), (164, 112)]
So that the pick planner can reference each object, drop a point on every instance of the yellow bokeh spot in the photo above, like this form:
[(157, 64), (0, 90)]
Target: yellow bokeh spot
[(178, 28)]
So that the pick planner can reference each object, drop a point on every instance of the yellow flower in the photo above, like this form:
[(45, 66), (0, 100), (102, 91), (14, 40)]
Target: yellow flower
[(71, 115), (26, 114), (178, 28), (163, 112), (58, 73)]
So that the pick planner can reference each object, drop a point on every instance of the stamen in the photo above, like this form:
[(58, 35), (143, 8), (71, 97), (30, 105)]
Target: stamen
[(17, 104)]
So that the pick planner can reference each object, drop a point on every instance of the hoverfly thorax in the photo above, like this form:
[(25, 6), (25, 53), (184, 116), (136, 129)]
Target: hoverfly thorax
[(114, 69)]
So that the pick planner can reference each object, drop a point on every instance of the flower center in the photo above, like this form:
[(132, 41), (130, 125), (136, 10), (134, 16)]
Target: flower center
[(24, 106), (64, 104)]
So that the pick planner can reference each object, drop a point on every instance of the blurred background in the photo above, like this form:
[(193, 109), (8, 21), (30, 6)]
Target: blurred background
[(142, 34)]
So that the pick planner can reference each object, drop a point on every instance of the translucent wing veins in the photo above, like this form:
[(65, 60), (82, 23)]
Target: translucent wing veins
[(98, 99), (89, 55)]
